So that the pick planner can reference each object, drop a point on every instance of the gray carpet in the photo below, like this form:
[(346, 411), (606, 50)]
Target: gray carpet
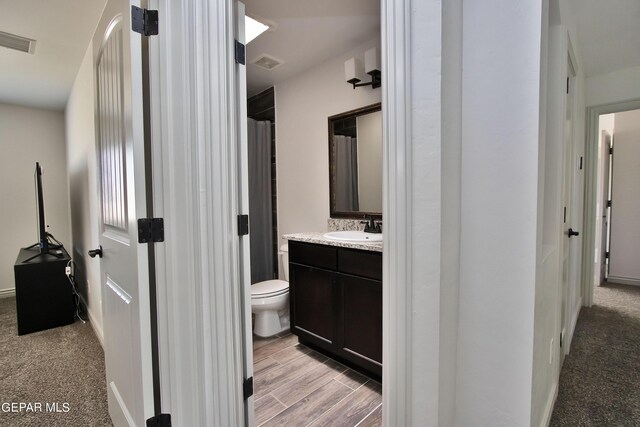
[(600, 379), (63, 365)]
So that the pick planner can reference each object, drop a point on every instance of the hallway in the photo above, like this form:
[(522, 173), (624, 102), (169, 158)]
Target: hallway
[(600, 378)]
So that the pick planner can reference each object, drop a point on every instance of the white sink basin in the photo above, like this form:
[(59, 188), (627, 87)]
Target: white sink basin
[(353, 236)]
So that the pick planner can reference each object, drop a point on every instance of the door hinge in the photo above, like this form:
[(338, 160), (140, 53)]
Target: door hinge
[(561, 339), (610, 150), (567, 84), (608, 203), (247, 388), (144, 21), (240, 53), (606, 255), (580, 166), (243, 225), (160, 420), (150, 230)]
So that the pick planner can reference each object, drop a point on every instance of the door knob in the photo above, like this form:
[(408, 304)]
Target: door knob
[(94, 252), (573, 233)]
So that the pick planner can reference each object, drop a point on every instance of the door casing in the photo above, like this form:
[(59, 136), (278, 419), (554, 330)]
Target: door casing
[(589, 246)]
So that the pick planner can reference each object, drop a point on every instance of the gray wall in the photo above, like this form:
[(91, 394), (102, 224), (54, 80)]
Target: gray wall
[(303, 106), (81, 159), (30, 135)]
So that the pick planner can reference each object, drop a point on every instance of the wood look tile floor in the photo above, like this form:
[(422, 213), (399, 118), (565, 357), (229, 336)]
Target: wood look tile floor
[(296, 386)]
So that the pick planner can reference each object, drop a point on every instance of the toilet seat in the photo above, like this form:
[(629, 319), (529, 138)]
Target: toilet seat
[(269, 288)]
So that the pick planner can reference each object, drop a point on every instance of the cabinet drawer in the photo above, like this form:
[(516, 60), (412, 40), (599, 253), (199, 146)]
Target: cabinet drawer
[(360, 263), (313, 255)]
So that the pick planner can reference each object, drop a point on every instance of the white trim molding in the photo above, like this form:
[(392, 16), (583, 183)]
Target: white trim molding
[(7, 293), (548, 408), (411, 108), (623, 280), (95, 325), (593, 115)]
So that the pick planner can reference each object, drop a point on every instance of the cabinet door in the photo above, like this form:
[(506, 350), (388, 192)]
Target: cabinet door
[(361, 319), (312, 292)]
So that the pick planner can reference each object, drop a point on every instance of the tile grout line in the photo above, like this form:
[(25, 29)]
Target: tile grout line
[(274, 415), (362, 385), (279, 401), (367, 416), (332, 406), (346, 385), (306, 395)]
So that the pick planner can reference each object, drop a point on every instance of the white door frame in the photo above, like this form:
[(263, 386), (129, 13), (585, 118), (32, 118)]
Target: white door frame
[(589, 246), (194, 139)]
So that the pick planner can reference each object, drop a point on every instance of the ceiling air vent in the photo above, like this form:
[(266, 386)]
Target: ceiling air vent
[(267, 62), (12, 41)]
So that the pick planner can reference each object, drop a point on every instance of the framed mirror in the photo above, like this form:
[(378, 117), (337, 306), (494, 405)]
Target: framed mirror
[(355, 163)]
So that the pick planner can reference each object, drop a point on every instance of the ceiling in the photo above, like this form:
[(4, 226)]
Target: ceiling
[(306, 33), (62, 30), (608, 34)]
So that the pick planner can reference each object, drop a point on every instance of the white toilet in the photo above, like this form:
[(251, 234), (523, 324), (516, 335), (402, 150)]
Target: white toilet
[(270, 301)]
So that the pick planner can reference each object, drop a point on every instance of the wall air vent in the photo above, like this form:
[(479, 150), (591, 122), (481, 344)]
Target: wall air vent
[(12, 41), (267, 62)]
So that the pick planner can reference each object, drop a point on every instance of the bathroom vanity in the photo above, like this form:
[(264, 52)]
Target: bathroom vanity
[(336, 299)]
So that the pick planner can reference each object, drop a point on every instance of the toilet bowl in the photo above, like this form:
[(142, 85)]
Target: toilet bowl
[(270, 301)]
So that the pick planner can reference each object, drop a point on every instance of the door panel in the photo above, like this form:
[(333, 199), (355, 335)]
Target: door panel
[(362, 316), (124, 265), (604, 153), (624, 244), (312, 287), (567, 199)]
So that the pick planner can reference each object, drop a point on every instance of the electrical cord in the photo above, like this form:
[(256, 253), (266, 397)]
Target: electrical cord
[(58, 243), (70, 270)]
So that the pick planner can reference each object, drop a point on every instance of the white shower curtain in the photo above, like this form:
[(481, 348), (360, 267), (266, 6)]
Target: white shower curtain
[(260, 213), (346, 180)]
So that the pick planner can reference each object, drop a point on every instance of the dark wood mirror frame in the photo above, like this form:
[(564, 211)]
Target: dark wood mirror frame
[(332, 164)]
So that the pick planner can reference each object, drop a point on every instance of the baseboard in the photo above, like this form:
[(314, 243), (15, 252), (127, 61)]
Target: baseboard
[(95, 325), (548, 409), (7, 293), (572, 327), (623, 281)]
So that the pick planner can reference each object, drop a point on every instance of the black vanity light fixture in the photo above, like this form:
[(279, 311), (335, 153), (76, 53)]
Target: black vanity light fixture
[(353, 69)]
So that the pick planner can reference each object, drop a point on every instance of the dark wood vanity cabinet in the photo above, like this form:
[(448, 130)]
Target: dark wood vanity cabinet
[(336, 302)]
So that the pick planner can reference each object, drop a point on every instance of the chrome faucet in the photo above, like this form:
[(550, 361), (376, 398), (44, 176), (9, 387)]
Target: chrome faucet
[(371, 225)]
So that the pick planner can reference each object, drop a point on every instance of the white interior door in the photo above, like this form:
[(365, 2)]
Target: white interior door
[(567, 195), (624, 244), (606, 156), (243, 209), (124, 262)]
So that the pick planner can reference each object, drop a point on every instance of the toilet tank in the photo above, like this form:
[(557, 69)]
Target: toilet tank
[(284, 261)]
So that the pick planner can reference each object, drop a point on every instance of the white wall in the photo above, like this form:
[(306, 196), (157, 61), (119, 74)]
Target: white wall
[(500, 137), (303, 106), (617, 86), (27, 136), (625, 197), (370, 162), (81, 161)]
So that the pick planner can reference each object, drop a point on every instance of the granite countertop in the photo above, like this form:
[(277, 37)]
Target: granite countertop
[(321, 240)]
